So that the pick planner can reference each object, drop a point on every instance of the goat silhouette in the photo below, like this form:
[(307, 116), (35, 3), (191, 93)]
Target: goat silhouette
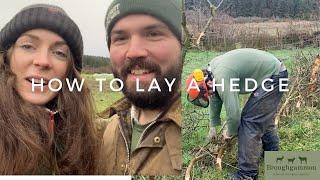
[(291, 160), (303, 159), (279, 159)]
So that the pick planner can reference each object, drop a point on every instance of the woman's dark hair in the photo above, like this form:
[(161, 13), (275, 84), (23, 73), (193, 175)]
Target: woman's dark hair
[(28, 146)]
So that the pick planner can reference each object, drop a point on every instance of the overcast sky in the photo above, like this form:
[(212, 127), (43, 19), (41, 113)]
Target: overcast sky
[(88, 15)]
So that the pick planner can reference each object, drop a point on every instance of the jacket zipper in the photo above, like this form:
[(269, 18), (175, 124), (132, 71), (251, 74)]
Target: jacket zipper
[(145, 130), (140, 139), (127, 148)]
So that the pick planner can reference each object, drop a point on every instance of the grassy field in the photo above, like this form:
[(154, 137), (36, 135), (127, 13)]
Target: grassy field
[(276, 28), (299, 132), (104, 98)]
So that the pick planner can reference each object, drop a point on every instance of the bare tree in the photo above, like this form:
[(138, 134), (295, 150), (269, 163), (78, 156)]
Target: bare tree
[(213, 9), (187, 36)]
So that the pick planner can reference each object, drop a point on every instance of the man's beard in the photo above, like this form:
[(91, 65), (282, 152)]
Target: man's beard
[(152, 99)]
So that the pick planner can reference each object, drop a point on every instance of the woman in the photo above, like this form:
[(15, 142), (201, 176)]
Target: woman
[(44, 132)]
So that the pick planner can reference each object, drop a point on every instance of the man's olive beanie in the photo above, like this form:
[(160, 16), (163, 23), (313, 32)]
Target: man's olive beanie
[(168, 11), (50, 17)]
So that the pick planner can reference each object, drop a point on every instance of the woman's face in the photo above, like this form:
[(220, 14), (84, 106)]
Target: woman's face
[(37, 54)]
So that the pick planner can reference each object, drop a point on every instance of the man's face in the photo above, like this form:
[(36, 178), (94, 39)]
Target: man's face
[(143, 47)]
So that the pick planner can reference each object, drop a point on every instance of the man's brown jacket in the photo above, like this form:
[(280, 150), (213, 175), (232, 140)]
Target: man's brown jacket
[(159, 152)]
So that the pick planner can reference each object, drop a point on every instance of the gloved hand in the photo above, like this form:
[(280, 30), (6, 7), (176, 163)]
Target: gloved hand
[(225, 135), (212, 135), (210, 87)]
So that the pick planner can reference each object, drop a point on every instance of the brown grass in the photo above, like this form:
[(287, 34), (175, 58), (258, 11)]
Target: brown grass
[(274, 28), (226, 35)]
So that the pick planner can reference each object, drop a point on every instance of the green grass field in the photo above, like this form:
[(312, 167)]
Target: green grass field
[(104, 98), (299, 132)]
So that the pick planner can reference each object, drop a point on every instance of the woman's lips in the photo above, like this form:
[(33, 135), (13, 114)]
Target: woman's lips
[(37, 83)]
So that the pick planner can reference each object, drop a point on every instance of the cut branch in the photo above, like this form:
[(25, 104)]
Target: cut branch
[(190, 167), (204, 30), (219, 157), (314, 75), (289, 97), (217, 154)]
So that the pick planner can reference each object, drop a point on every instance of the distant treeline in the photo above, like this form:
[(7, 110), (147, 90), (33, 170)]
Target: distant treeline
[(95, 61), (96, 64), (304, 9)]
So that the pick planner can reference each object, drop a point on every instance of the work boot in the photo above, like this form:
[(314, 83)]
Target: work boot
[(240, 176)]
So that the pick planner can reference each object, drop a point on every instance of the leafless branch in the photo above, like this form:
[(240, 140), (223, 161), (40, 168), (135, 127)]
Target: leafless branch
[(219, 4), (213, 13), (210, 3)]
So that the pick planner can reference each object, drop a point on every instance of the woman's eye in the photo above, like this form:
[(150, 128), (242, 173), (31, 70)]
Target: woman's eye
[(61, 54), (26, 46)]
